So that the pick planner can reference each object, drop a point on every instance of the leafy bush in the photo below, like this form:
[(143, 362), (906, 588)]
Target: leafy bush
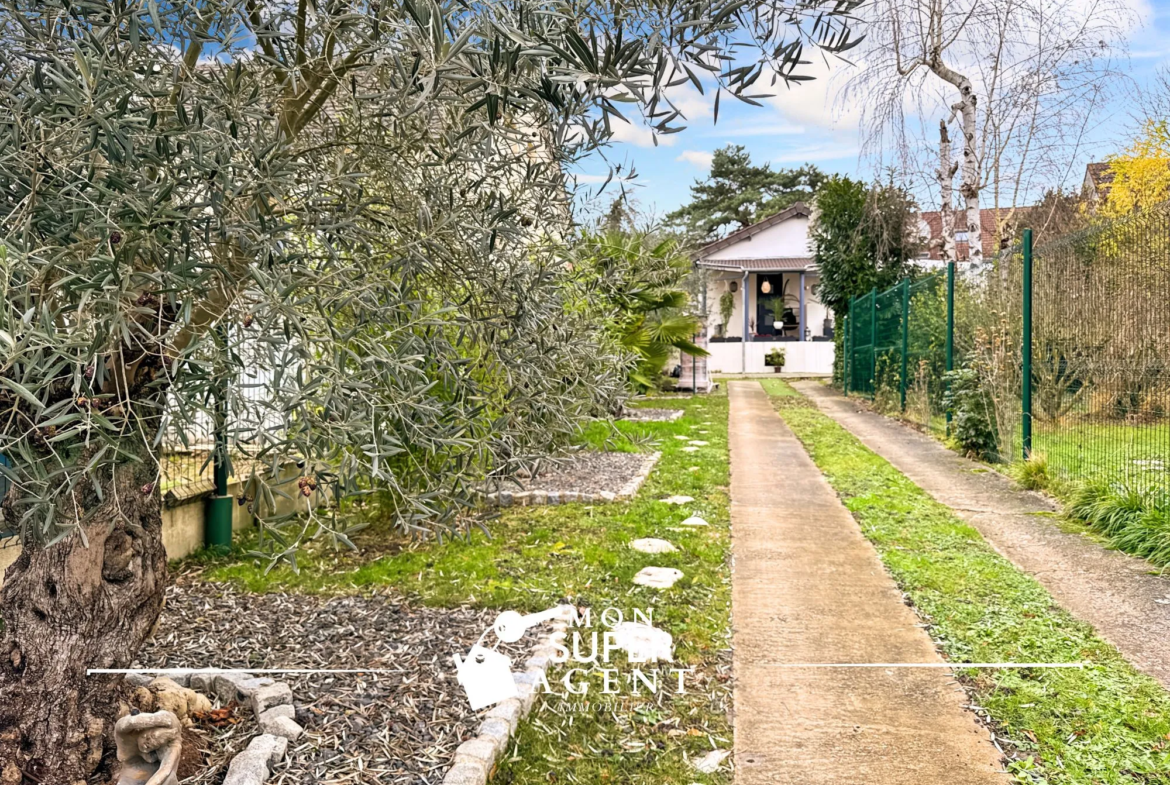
[(972, 419), (726, 308), (775, 358)]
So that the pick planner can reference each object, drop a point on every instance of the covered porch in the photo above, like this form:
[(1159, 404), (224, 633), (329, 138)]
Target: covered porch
[(754, 304)]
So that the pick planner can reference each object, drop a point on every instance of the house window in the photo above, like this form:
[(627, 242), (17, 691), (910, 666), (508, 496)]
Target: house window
[(960, 237)]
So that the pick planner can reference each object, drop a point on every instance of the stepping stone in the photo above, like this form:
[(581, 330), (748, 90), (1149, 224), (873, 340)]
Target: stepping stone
[(690, 449), (677, 500), (681, 436), (709, 763), (699, 443), (693, 469), (657, 577), (652, 545), (643, 642), (694, 520)]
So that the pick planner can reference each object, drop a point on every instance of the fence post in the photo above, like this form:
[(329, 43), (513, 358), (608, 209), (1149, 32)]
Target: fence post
[(873, 341), (217, 523), (1027, 347), (905, 369), (950, 332)]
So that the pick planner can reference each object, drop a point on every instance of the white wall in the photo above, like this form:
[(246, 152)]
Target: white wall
[(787, 238), (811, 357)]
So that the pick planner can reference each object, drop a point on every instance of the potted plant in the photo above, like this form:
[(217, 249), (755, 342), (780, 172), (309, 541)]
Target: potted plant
[(726, 308), (775, 359)]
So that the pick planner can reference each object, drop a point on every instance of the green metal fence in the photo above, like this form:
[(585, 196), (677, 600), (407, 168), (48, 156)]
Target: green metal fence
[(1069, 343)]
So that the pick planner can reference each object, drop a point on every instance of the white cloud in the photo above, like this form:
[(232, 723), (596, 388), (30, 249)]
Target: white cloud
[(697, 158), (638, 135), (816, 103), (770, 128), (820, 152)]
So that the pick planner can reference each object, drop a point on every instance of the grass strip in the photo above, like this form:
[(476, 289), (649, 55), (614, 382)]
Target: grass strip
[(537, 557), (1100, 725)]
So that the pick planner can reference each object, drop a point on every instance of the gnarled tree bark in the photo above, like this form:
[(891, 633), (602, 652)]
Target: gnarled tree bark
[(77, 604)]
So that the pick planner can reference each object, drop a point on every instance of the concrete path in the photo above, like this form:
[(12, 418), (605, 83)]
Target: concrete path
[(807, 587), (1119, 595)]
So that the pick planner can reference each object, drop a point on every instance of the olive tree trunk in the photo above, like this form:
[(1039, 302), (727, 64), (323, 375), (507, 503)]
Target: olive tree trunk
[(83, 602)]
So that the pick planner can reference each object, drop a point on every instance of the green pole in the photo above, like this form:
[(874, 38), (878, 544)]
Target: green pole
[(873, 341), (1027, 346), (905, 342), (950, 331), (217, 529)]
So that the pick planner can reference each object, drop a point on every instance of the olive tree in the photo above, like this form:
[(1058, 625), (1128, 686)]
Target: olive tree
[(365, 198)]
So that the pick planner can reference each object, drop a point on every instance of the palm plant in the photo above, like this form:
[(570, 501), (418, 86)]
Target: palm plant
[(640, 281)]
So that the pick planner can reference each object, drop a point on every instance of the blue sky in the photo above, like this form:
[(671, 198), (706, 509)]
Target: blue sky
[(804, 124)]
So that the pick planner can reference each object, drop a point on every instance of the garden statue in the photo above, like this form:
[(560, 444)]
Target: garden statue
[(148, 748)]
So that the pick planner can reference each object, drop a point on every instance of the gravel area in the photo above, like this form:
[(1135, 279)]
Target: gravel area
[(401, 727), (652, 415), (586, 472)]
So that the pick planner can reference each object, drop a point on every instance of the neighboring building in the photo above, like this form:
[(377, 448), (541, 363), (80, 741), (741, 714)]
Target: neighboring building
[(1002, 222), (769, 270), (1098, 179)]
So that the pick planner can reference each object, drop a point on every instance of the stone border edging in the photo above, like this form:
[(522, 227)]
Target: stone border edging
[(476, 758), (272, 705), (535, 498)]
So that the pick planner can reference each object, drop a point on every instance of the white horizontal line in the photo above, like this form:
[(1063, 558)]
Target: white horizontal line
[(93, 671), (927, 664)]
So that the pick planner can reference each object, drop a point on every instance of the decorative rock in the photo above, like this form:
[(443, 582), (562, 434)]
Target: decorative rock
[(643, 642), (692, 469), (508, 711), (657, 577), (234, 685), (270, 695), (138, 679), (538, 497), (678, 500), (691, 448), (526, 691), (497, 731), (652, 545), (476, 751), (698, 443), (283, 710), (694, 520), (465, 774), (681, 436), (709, 763), (504, 499), (277, 725), (273, 746), (554, 497), (607, 495), (150, 745), (536, 662), (203, 682), (250, 767)]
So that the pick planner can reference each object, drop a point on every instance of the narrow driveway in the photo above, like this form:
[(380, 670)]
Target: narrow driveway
[(808, 588), (1121, 596)]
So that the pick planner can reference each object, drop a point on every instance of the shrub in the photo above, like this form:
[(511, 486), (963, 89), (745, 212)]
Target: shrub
[(775, 358), (1132, 521), (972, 419), (1032, 474)]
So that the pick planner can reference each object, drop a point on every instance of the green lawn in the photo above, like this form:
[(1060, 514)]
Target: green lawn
[(1105, 724), (539, 556), (1135, 455)]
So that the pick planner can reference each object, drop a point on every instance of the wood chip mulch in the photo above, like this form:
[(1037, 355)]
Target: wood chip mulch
[(584, 472), (400, 727)]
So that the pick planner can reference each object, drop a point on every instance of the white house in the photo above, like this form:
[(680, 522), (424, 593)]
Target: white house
[(769, 271)]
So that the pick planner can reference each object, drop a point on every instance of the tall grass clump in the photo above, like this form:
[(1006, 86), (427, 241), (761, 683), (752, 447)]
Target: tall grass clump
[(1134, 522)]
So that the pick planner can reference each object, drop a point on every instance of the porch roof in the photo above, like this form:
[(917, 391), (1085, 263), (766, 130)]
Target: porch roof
[(774, 264)]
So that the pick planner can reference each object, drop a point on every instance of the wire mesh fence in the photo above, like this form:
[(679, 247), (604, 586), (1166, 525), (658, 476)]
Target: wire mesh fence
[(1098, 407)]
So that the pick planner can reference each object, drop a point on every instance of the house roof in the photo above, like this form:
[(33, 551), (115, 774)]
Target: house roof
[(774, 264), (990, 221), (798, 209), (1098, 178)]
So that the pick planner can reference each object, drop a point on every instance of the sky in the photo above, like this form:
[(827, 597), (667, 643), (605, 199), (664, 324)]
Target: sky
[(805, 124)]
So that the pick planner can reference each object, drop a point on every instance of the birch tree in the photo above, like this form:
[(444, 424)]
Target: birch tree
[(1021, 80)]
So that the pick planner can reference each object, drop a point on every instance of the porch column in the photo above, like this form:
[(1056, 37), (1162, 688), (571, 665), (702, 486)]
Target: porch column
[(746, 335), (801, 338)]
